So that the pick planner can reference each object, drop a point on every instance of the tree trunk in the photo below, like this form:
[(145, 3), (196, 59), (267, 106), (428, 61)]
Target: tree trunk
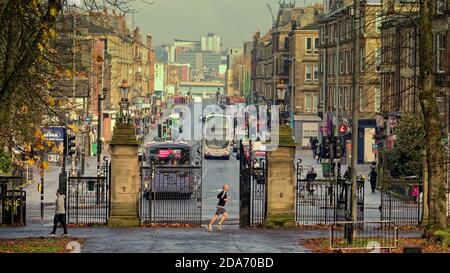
[(435, 158)]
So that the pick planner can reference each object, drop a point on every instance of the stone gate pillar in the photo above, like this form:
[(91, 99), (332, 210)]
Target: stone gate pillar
[(281, 182), (125, 182)]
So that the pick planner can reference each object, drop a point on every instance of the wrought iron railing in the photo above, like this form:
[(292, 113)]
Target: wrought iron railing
[(12, 201), (401, 202), (370, 235)]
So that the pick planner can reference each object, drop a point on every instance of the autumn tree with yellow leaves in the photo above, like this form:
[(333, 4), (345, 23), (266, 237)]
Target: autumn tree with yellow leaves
[(29, 67)]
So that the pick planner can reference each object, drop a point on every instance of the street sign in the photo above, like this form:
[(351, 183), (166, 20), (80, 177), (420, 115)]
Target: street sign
[(54, 133), (343, 128)]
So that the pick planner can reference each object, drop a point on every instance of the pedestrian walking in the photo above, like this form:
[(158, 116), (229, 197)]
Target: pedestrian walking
[(310, 177), (373, 179), (60, 213), (319, 153), (223, 198), (314, 142), (348, 173)]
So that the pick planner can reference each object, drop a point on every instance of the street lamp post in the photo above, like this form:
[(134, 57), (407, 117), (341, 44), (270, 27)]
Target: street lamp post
[(281, 93), (124, 115), (101, 97)]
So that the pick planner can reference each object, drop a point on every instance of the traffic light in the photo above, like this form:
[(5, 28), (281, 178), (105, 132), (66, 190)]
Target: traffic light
[(338, 147), (325, 152), (69, 145)]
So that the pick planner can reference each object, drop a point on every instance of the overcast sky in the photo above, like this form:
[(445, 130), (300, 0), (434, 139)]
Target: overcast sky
[(234, 20)]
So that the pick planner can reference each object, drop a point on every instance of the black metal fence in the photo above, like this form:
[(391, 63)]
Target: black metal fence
[(321, 202), (401, 202), (252, 188), (171, 194), (12, 201), (371, 235), (88, 198)]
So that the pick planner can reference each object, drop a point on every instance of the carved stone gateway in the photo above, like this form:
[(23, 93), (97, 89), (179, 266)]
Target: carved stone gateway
[(125, 181), (281, 182)]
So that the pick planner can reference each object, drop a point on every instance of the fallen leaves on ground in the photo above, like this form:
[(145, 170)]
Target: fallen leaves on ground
[(321, 245), (170, 225), (37, 245)]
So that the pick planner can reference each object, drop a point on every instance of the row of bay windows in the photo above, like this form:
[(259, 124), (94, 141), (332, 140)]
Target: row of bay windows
[(343, 61), (342, 98), (407, 40), (343, 29)]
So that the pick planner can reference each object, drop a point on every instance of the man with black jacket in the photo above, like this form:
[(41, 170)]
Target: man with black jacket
[(222, 196)]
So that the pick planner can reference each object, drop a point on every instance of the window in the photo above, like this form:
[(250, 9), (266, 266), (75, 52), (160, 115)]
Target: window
[(351, 60), (341, 63), (377, 100), (308, 103), (308, 42), (286, 43), (316, 73), (308, 75), (316, 45), (347, 61), (346, 97), (378, 60), (348, 31), (377, 21), (314, 103), (335, 97), (341, 97), (361, 99), (330, 64), (332, 31), (362, 57), (322, 35), (350, 96), (362, 26), (335, 64), (330, 96), (440, 52), (322, 63), (440, 7)]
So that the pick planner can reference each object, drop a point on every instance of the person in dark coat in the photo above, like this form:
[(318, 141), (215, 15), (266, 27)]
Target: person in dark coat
[(310, 177), (314, 143), (348, 173), (373, 179)]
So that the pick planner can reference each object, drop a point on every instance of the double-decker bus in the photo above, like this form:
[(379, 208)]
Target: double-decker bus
[(217, 141)]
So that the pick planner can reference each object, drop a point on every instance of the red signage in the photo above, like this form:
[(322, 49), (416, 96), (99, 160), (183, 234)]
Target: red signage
[(167, 153), (342, 128)]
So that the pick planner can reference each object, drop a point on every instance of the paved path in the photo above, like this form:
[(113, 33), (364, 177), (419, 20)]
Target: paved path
[(106, 240), (183, 240)]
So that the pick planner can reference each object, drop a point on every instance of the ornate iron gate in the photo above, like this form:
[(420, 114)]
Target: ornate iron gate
[(325, 201), (172, 194), (88, 198), (401, 202), (252, 188)]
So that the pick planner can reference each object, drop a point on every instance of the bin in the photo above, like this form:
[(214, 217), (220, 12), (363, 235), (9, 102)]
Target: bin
[(326, 169), (94, 149)]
